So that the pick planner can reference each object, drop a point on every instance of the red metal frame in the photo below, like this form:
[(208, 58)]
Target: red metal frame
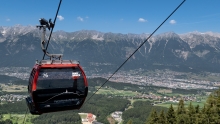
[(38, 67)]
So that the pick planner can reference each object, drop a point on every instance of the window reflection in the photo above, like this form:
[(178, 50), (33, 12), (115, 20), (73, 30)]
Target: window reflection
[(51, 78)]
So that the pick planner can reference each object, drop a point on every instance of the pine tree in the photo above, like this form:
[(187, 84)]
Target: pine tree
[(171, 117), (182, 117), (197, 109), (192, 114), (212, 114), (153, 118), (181, 109), (162, 118), (201, 116), (217, 97), (212, 109), (211, 101)]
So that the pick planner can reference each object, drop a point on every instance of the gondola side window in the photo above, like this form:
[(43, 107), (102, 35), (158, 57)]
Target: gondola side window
[(49, 78), (31, 78)]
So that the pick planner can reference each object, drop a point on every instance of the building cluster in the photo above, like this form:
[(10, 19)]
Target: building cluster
[(12, 98), (23, 76), (90, 119), (163, 79), (117, 115)]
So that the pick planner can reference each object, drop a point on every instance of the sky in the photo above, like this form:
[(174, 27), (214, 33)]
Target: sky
[(116, 16)]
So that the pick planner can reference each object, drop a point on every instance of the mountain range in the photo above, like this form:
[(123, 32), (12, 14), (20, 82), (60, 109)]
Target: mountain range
[(100, 52)]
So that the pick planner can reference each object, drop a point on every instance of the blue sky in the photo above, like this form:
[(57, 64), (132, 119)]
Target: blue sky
[(117, 16)]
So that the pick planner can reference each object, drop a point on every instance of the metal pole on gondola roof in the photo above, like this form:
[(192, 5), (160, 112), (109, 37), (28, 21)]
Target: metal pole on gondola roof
[(52, 27)]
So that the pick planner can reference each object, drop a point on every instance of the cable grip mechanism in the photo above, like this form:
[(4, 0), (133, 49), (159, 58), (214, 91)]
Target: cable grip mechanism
[(44, 24)]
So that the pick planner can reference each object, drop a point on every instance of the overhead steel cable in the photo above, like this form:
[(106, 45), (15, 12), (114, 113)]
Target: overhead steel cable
[(135, 50), (52, 27)]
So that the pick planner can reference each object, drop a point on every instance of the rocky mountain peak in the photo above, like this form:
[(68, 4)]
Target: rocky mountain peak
[(167, 50), (197, 38)]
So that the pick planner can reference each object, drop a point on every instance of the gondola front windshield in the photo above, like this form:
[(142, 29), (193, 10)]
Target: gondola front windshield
[(52, 78)]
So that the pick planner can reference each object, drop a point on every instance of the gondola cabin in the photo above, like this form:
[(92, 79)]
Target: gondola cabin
[(56, 85)]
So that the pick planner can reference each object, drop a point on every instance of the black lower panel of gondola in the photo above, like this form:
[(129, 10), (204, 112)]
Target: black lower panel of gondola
[(58, 105), (46, 101)]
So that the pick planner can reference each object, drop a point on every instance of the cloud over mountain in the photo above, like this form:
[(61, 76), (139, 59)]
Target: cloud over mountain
[(142, 20), (80, 19), (60, 17), (172, 22)]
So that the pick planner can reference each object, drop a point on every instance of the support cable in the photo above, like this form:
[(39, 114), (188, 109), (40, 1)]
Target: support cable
[(135, 51), (53, 27)]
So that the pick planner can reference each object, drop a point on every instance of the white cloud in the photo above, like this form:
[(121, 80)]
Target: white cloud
[(80, 19), (8, 19), (172, 22), (60, 17), (142, 20)]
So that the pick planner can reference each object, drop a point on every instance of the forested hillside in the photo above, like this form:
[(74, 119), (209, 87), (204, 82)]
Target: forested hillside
[(140, 112), (207, 114)]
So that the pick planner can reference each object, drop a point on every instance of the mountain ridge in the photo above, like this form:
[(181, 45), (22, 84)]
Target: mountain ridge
[(193, 51)]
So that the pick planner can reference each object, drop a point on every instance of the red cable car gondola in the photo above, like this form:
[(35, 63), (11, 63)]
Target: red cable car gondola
[(55, 85)]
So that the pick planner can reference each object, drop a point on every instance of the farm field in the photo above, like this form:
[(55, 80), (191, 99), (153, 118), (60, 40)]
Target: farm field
[(165, 91), (83, 115), (13, 88), (117, 92), (19, 118), (194, 103)]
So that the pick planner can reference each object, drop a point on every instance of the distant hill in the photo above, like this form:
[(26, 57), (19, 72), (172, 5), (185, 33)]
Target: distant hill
[(100, 52)]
